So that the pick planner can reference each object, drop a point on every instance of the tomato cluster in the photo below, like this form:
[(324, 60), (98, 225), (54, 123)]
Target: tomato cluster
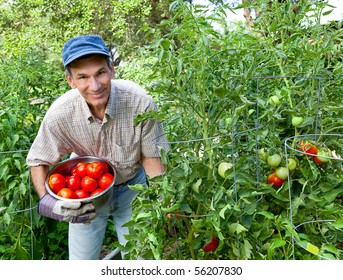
[(319, 156), (279, 173), (85, 180)]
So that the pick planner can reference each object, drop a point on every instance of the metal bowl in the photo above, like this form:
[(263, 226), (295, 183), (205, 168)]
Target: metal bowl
[(100, 200)]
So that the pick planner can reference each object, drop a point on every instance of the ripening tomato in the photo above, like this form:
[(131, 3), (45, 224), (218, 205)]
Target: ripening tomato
[(73, 182), (80, 170), (322, 157), (66, 193), (282, 172), (81, 194), (57, 182), (275, 180), (105, 180), (308, 148), (212, 245), (88, 184), (96, 191), (95, 169)]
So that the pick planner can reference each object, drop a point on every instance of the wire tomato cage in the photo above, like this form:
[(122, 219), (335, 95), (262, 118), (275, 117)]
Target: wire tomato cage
[(318, 181)]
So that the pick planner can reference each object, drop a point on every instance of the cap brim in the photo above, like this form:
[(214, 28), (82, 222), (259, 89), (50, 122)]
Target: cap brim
[(82, 54)]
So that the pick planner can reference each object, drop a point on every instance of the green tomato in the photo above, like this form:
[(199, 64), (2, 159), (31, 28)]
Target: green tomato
[(274, 100), (292, 164), (296, 121), (282, 172), (274, 160), (262, 154), (323, 156), (223, 168)]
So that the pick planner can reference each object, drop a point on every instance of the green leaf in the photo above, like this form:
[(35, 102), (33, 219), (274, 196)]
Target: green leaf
[(196, 185), (223, 210), (138, 187), (220, 92), (338, 224), (198, 223), (7, 218), (267, 214), (143, 216), (247, 249), (21, 253), (236, 228)]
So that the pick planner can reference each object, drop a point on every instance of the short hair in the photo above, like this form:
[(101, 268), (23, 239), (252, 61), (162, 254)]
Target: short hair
[(67, 67)]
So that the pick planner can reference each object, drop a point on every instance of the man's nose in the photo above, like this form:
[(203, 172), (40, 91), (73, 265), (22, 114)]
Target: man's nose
[(94, 84)]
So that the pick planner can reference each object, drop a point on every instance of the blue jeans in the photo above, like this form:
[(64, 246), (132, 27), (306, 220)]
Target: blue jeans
[(86, 240)]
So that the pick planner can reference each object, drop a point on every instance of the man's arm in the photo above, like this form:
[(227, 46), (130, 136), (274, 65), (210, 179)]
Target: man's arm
[(38, 175), (153, 166)]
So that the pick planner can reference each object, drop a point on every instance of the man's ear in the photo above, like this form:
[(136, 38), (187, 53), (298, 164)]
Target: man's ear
[(70, 81)]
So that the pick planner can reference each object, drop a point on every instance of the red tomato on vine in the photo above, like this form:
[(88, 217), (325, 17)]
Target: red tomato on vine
[(275, 180)]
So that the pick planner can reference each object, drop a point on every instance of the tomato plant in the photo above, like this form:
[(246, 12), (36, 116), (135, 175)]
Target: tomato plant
[(214, 93)]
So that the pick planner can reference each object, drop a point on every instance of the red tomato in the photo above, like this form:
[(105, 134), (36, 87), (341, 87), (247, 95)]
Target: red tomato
[(66, 193), (95, 169), (104, 166), (80, 170), (318, 161), (275, 180), (81, 194), (308, 148), (57, 182), (73, 182), (212, 245), (96, 191), (88, 184), (105, 180)]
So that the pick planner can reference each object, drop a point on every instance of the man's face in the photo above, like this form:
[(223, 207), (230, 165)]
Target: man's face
[(92, 77)]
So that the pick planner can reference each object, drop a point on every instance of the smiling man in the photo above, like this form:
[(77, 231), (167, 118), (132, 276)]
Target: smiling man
[(96, 118)]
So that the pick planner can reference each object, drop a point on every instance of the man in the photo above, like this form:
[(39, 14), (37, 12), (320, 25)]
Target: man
[(96, 118)]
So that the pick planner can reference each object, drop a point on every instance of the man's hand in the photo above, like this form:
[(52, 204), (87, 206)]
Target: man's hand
[(73, 211)]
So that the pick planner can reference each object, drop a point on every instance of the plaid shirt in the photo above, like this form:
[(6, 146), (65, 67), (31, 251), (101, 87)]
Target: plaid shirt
[(69, 127)]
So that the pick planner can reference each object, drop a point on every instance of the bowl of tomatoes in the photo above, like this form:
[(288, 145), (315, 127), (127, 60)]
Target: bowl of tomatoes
[(84, 179)]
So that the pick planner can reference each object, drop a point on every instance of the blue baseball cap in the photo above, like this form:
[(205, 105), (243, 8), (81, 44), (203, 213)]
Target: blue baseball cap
[(83, 45)]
